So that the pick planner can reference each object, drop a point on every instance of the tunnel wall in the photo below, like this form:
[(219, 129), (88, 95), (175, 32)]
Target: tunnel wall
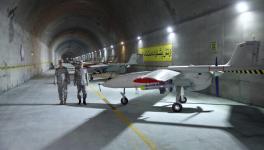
[(22, 55), (227, 28), (192, 45)]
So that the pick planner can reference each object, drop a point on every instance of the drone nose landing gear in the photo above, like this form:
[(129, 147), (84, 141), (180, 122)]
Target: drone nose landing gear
[(124, 99)]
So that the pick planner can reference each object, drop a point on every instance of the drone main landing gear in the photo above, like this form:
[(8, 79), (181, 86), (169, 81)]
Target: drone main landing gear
[(180, 98), (110, 76), (91, 77), (124, 99)]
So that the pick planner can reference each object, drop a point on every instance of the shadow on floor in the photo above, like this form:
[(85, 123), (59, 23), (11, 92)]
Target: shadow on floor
[(247, 126), (247, 121), (100, 131), (151, 108)]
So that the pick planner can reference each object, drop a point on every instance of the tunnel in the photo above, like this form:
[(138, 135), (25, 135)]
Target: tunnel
[(37, 34)]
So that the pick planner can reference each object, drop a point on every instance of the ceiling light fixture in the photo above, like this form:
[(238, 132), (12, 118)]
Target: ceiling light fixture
[(169, 29), (242, 7)]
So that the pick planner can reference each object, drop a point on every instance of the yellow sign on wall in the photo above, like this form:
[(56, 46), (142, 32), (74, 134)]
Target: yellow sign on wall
[(159, 53), (213, 46)]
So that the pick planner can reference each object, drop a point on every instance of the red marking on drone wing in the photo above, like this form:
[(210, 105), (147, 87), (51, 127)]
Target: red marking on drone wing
[(146, 80)]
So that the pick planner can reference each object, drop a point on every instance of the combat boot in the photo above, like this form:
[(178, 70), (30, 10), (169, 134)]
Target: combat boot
[(84, 99), (80, 100)]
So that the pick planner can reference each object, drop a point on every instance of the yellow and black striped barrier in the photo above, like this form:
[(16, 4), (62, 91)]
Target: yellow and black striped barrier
[(246, 71)]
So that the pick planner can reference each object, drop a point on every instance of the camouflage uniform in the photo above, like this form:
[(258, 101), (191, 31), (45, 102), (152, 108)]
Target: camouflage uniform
[(81, 80), (63, 79)]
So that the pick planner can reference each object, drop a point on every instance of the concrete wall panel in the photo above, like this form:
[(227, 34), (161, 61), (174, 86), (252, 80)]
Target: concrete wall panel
[(19, 60)]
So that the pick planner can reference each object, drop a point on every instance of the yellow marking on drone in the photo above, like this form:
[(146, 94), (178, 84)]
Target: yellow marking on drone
[(142, 87), (126, 120)]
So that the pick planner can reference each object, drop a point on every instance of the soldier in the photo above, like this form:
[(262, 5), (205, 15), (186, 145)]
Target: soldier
[(81, 80), (63, 79)]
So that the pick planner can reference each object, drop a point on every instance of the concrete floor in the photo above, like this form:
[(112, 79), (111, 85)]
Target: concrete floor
[(30, 118)]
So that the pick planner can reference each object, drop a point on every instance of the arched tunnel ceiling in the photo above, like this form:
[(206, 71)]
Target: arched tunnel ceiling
[(80, 35), (103, 21), (116, 13), (75, 46), (70, 25)]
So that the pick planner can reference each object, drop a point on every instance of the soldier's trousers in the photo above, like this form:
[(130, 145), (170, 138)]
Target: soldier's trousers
[(62, 90), (81, 88)]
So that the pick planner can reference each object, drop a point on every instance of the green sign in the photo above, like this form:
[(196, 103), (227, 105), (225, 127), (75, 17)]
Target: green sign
[(213, 46)]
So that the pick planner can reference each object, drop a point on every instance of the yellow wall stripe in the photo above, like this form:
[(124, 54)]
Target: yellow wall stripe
[(22, 66)]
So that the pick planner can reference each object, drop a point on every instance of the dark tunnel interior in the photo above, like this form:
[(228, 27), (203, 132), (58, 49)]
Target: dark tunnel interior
[(36, 34)]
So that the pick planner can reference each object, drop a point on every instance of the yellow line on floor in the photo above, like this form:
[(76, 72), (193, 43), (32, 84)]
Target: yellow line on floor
[(125, 120)]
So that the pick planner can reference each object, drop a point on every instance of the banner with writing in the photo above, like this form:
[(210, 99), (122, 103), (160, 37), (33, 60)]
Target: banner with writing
[(158, 53)]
